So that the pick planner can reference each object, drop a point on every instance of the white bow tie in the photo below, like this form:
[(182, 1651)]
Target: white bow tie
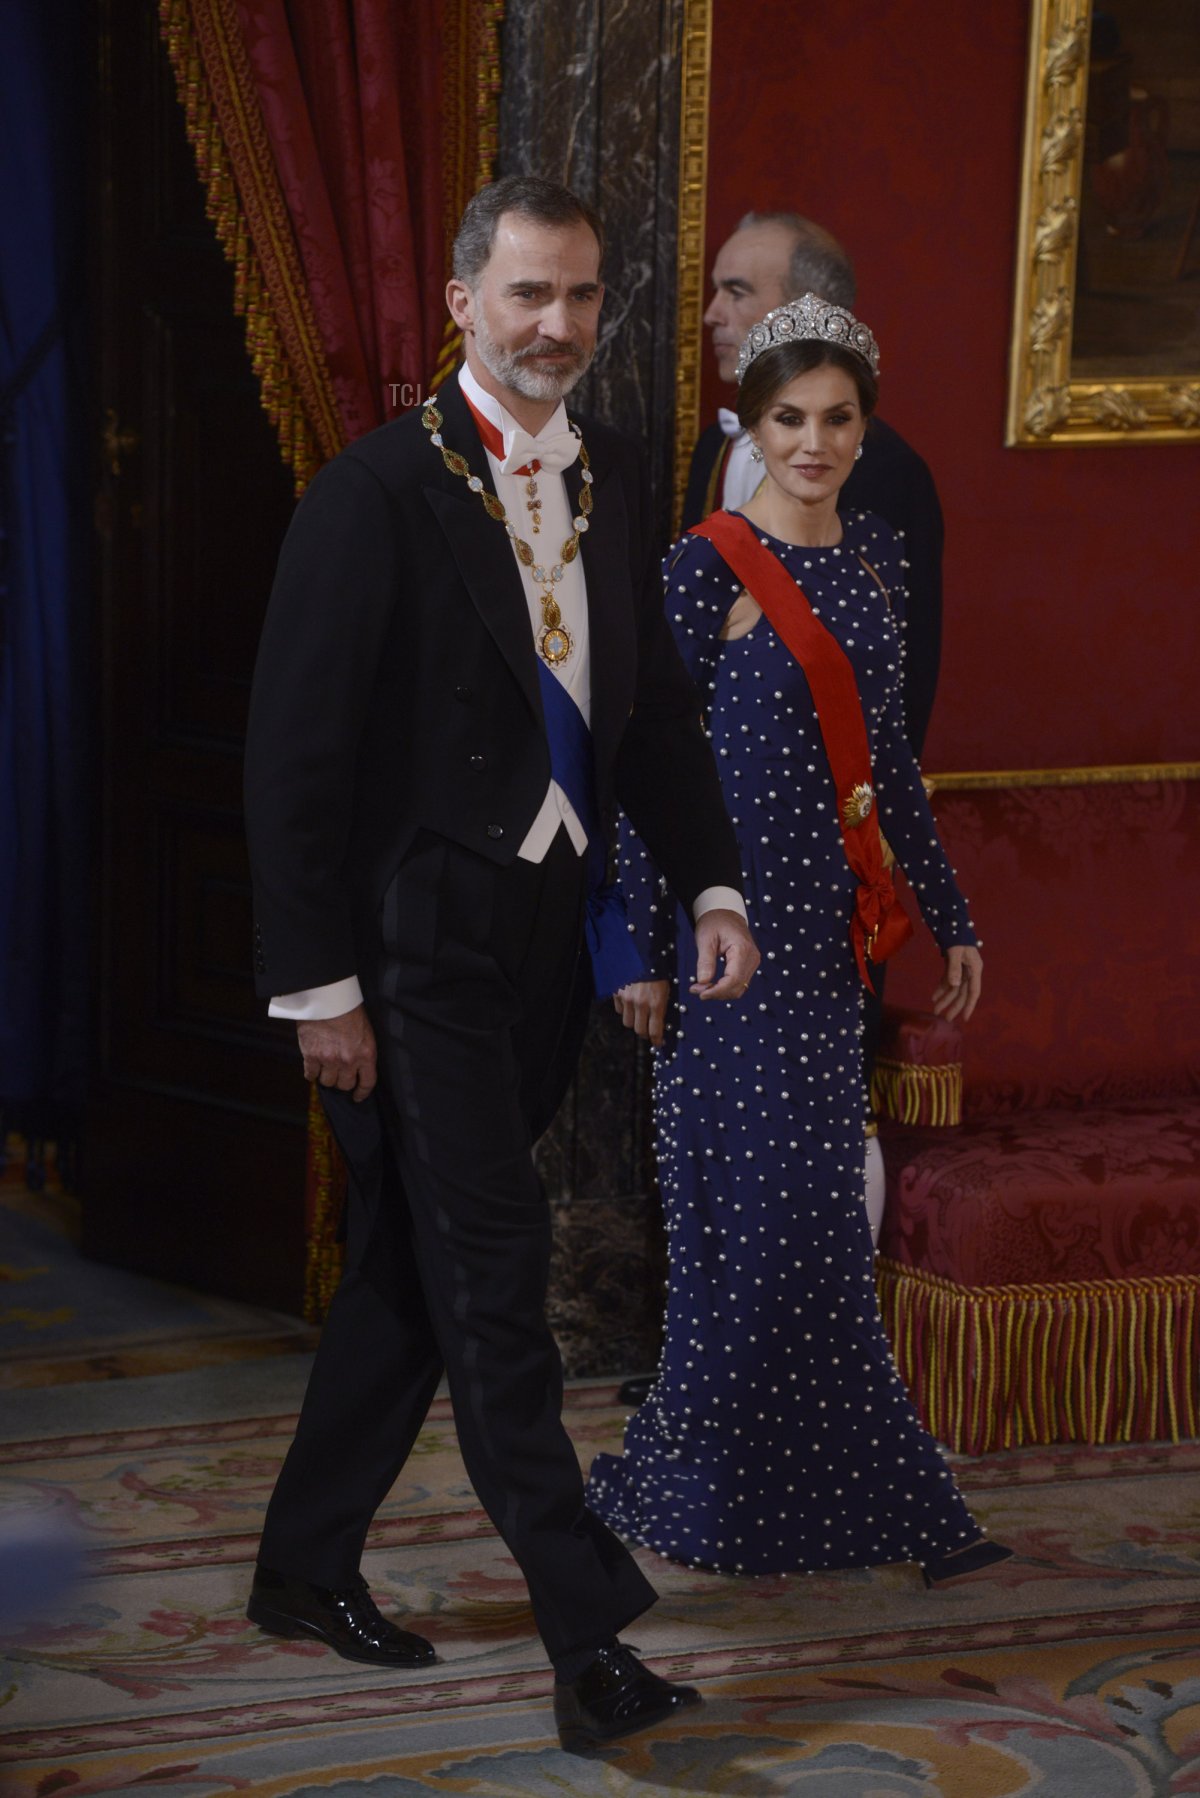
[(554, 453), (729, 422)]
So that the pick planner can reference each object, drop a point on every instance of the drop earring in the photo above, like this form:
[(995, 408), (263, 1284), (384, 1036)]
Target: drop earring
[(755, 453)]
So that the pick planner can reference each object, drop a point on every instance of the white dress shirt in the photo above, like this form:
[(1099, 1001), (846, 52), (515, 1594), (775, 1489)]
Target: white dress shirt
[(743, 475), (575, 672)]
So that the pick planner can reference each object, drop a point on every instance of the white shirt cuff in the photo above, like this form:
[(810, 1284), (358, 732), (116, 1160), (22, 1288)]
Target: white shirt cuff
[(331, 1001), (719, 899)]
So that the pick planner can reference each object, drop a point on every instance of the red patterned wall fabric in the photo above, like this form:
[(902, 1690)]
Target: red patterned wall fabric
[(1087, 899), (1072, 632)]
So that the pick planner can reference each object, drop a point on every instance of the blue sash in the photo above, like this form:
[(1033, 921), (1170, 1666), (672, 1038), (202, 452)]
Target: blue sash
[(616, 959)]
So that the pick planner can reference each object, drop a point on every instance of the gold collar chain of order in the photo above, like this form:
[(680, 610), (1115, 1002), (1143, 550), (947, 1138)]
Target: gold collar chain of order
[(554, 640)]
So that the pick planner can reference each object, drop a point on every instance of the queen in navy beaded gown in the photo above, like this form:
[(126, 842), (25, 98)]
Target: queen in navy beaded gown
[(777, 1435)]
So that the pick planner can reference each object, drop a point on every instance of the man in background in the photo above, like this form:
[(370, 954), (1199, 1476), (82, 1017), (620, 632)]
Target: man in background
[(771, 258)]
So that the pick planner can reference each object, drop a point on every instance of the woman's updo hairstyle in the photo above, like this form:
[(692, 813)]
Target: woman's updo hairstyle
[(774, 368)]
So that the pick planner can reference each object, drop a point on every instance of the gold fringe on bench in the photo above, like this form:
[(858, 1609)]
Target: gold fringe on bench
[(1002, 1366), (912, 1094)]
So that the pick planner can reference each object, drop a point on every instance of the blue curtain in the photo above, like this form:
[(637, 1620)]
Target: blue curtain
[(45, 709)]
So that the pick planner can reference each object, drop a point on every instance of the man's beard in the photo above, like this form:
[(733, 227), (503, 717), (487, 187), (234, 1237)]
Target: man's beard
[(515, 370)]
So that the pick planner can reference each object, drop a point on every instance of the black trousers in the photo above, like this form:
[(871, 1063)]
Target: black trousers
[(478, 998)]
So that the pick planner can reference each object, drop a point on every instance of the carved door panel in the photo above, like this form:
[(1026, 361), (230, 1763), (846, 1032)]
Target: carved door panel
[(194, 1154)]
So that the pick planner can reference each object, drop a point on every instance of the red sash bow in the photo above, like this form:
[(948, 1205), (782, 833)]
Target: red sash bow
[(879, 924)]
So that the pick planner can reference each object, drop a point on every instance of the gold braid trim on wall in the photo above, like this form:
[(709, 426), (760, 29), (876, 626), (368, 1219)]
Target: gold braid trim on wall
[(228, 137), (1112, 774)]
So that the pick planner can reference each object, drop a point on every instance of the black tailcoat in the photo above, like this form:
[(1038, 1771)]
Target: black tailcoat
[(396, 759), (397, 689)]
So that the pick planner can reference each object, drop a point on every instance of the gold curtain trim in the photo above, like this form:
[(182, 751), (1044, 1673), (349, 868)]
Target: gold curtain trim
[(1000, 1367), (912, 1094), (471, 126), (487, 89), (1114, 774), (447, 360), (233, 156)]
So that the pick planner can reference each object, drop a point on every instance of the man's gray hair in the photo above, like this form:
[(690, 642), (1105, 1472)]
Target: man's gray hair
[(545, 202), (818, 264)]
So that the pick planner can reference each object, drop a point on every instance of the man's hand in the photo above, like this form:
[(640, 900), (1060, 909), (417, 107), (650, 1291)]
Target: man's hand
[(957, 993), (340, 1052), (723, 934), (642, 1007)]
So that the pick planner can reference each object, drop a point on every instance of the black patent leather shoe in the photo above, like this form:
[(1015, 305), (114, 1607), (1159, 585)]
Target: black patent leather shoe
[(346, 1619), (636, 1391), (965, 1562), (613, 1696)]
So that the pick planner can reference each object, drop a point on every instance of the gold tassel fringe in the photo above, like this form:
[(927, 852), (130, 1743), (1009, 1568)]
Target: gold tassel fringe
[(911, 1094), (327, 1196), (1005, 1366), (233, 157)]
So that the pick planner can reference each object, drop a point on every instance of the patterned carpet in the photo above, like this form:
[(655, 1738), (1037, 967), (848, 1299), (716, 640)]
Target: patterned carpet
[(63, 1319), (1071, 1670)]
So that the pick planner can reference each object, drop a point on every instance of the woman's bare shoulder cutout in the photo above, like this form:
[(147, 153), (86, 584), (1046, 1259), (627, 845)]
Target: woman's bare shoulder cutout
[(874, 574), (741, 617)]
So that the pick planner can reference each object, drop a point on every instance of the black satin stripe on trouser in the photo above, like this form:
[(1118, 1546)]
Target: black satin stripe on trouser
[(449, 1246)]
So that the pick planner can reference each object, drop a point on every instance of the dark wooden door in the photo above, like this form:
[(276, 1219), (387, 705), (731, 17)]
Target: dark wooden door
[(194, 1153)]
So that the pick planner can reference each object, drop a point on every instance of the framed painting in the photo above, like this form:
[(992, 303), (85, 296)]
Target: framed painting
[(1106, 315)]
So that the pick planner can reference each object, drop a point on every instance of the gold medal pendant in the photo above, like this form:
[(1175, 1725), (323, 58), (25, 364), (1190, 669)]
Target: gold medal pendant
[(555, 644), (554, 640)]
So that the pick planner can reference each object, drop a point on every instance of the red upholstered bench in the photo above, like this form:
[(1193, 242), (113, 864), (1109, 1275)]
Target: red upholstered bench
[(1039, 1268)]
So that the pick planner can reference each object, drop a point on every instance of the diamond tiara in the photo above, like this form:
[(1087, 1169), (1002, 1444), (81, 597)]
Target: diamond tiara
[(804, 318)]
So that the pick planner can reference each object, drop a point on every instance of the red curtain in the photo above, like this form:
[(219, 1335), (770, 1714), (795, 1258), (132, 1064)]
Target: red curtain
[(339, 141), (350, 100)]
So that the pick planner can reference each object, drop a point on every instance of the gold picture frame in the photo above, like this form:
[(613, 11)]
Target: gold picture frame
[(1048, 404)]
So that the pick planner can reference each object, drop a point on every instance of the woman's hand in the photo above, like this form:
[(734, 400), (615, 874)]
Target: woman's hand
[(642, 1006), (957, 993)]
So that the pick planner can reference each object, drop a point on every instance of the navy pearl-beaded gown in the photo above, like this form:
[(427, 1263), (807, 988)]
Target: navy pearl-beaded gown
[(777, 1435)]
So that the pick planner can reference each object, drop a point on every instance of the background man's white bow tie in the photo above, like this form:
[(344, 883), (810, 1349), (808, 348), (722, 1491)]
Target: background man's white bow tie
[(729, 422), (555, 452)]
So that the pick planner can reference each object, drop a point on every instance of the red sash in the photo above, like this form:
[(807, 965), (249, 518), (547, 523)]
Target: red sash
[(880, 925)]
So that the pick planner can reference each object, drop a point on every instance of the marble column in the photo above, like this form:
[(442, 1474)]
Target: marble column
[(590, 96)]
